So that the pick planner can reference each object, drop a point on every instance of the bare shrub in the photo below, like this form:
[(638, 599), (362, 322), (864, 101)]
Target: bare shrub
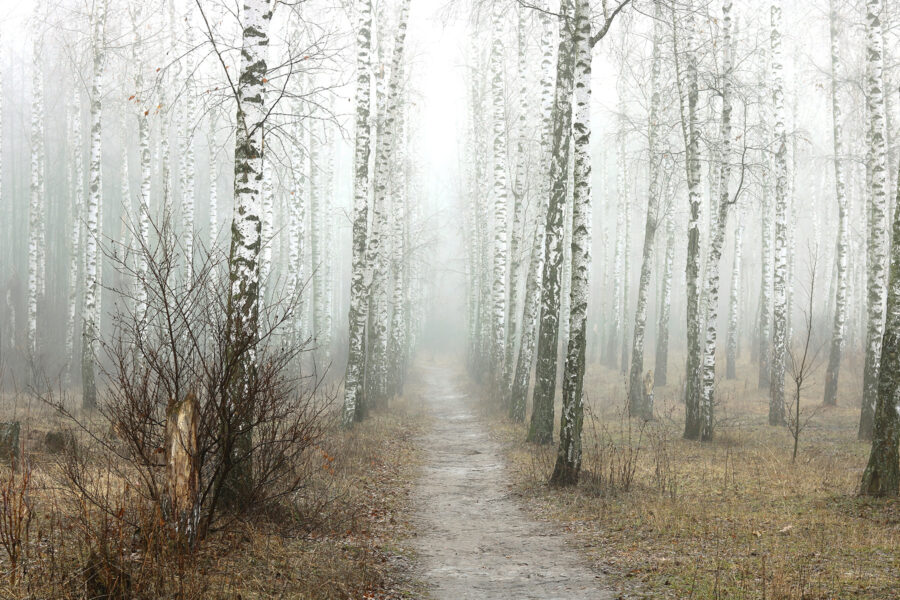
[(16, 511), (610, 455), (148, 490)]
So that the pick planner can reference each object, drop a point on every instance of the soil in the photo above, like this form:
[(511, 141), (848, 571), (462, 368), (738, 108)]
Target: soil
[(473, 539)]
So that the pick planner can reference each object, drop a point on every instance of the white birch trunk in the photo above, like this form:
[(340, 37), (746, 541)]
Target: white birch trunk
[(498, 195), (353, 379), (568, 460), (779, 340), (877, 212), (90, 324), (36, 205), (843, 238)]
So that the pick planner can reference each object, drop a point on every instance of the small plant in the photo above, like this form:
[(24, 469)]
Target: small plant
[(15, 519), (804, 361)]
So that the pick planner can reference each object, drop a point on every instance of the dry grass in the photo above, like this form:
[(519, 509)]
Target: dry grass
[(734, 518), (342, 539)]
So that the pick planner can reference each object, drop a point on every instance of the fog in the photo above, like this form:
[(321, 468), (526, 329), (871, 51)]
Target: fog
[(580, 257)]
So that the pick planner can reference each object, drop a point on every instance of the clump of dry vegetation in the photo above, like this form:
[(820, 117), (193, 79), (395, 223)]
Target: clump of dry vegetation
[(208, 468), (340, 538), (735, 518)]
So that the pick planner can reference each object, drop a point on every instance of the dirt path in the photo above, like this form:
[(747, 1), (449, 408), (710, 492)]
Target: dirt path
[(474, 540)]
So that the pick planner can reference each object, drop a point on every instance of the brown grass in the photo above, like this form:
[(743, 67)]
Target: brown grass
[(342, 539), (734, 518)]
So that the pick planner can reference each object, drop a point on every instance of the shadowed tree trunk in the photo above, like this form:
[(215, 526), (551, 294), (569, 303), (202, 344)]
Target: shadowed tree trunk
[(568, 459), (882, 474), (536, 260), (843, 241), (246, 232), (686, 76), (877, 212), (541, 429), (353, 380)]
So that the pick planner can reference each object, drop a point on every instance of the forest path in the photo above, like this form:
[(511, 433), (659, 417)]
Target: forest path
[(474, 540)]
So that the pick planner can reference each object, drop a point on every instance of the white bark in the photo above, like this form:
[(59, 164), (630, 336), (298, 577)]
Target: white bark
[(353, 380), (90, 325), (779, 343), (36, 221), (877, 213), (498, 194)]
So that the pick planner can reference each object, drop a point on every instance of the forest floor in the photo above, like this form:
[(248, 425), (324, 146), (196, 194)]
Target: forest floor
[(474, 538), (736, 518), (345, 538)]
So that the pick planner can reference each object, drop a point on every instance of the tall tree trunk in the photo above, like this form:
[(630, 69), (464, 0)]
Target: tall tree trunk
[(520, 185), (188, 164), (498, 194), (246, 228), (686, 77), (213, 169), (396, 346), (877, 205), (568, 458), (353, 379), (882, 474), (36, 221), (662, 336), (536, 260), (76, 157), (717, 238), (639, 403), (376, 362), (734, 301), (843, 241), (779, 321), (541, 428), (90, 314)]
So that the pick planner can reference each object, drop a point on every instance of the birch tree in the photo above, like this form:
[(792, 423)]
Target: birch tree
[(877, 212), (498, 194), (734, 300), (639, 403), (717, 237), (541, 427), (779, 321), (76, 235), (90, 316), (376, 363), (36, 217), (519, 188), (568, 459), (353, 379), (688, 92), (662, 335), (531, 304), (882, 474), (246, 225), (843, 239)]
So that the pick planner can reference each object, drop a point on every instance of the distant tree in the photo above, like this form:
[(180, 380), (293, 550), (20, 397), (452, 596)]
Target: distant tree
[(638, 402), (843, 238), (91, 309)]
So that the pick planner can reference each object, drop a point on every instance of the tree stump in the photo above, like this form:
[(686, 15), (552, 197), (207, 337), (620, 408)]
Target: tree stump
[(9, 440), (182, 473)]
